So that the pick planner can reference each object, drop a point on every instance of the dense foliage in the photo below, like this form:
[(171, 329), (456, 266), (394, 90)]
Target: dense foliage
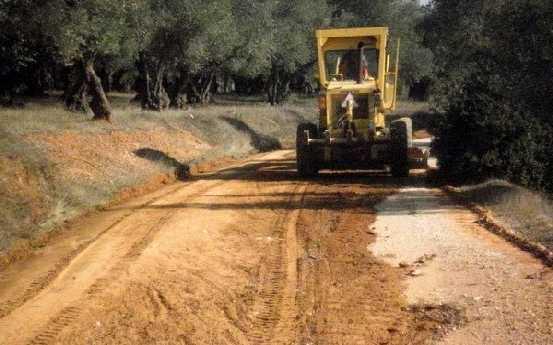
[(174, 52), (494, 67)]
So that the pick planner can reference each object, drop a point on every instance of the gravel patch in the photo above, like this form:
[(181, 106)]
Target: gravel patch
[(506, 294)]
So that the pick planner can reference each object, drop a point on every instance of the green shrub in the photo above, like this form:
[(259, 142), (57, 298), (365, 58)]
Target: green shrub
[(494, 66)]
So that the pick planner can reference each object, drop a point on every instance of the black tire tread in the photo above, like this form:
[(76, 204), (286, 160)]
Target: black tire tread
[(305, 156), (401, 134)]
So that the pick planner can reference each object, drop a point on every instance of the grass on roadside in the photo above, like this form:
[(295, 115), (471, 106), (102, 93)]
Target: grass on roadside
[(528, 213), (56, 164)]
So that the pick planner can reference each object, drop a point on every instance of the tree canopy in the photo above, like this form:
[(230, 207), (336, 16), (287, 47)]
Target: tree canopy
[(493, 67), (174, 52)]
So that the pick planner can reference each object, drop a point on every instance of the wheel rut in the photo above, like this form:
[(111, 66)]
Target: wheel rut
[(262, 259), (140, 239), (274, 311), (40, 283), (69, 314)]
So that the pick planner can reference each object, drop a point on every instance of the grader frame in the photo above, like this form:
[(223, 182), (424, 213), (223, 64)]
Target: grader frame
[(358, 89)]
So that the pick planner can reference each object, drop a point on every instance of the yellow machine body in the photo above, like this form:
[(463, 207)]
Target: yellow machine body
[(358, 88), (371, 106)]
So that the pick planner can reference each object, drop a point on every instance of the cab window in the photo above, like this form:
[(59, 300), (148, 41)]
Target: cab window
[(345, 65)]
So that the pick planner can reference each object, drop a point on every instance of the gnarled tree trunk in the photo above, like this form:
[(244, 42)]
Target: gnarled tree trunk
[(83, 82), (99, 103), (75, 94), (273, 86), (200, 87), (283, 88), (150, 86)]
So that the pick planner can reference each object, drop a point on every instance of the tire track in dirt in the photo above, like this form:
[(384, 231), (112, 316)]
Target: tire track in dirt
[(40, 283), (68, 314), (274, 311), (347, 296), (267, 259), (337, 300), (56, 325)]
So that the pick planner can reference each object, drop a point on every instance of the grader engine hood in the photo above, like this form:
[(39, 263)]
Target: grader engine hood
[(361, 105)]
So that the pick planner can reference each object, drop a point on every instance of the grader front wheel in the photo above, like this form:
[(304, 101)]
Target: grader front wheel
[(305, 155), (401, 132)]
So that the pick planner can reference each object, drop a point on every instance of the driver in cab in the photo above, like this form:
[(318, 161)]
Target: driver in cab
[(351, 68)]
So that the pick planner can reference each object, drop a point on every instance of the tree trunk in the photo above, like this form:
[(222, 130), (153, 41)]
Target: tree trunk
[(82, 83), (272, 88), (160, 96), (206, 92), (75, 94), (150, 86), (178, 90), (201, 87), (142, 84), (99, 104), (283, 89)]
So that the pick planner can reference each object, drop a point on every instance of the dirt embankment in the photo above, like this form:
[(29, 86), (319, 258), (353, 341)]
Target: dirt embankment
[(522, 216), (56, 165)]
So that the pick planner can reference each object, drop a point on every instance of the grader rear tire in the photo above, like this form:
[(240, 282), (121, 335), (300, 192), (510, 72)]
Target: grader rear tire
[(306, 160), (401, 132)]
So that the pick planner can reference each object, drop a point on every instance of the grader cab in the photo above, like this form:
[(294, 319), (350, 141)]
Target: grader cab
[(358, 89)]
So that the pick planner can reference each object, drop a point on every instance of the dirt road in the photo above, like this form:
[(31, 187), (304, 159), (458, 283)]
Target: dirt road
[(252, 255)]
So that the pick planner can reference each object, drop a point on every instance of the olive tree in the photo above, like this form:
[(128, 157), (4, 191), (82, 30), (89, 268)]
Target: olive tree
[(85, 31), (191, 40), (292, 42)]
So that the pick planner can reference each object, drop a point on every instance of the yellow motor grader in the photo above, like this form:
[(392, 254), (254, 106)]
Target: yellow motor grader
[(358, 89)]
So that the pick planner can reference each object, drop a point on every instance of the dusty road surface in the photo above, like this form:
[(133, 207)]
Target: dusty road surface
[(252, 255)]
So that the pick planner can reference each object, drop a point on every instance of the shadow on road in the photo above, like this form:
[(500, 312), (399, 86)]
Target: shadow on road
[(261, 142), (283, 171), (182, 171)]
